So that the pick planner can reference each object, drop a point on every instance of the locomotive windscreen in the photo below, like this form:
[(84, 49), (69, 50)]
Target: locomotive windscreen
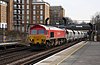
[(41, 32), (33, 32)]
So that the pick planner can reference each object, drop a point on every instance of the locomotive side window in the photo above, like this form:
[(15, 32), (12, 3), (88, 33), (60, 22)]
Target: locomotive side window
[(34, 32), (51, 34), (41, 32)]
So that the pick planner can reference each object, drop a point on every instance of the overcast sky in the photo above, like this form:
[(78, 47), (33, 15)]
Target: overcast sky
[(78, 9)]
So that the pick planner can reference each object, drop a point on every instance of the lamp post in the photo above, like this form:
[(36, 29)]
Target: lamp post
[(95, 33), (95, 29), (91, 32)]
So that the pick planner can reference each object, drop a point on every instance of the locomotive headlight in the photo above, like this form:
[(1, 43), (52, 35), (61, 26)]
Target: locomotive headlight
[(43, 40), (32, 40)]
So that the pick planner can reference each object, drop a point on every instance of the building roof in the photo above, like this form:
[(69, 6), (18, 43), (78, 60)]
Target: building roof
[(38, 1)]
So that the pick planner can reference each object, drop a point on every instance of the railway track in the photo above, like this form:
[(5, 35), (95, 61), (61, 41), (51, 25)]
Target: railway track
[(48, 53), (34, 57), (14, 49), (9, 55), (24, 55)]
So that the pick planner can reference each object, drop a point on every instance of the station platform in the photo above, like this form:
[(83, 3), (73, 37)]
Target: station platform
[(8, 43), (83, 53)]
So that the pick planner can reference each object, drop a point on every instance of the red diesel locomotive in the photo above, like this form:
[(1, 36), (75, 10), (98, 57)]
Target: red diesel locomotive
[(47, 36), (42, 35)]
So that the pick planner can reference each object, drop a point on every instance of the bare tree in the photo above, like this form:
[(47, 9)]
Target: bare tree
[(96, 24), (96, 18)]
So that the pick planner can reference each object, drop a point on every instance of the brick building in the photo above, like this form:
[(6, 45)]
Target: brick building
[(29, 12), (3, 18), (20, 13), (9, 14), (56, 14)]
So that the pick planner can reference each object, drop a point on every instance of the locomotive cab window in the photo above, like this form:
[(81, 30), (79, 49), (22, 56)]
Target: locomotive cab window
[(34, 32), (41, 32), (51, 34)]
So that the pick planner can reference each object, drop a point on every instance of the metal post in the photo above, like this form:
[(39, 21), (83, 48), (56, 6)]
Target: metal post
[(4, 35), (3, 30), (95, 35)]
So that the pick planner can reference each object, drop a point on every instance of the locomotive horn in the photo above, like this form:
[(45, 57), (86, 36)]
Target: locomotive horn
[(46, 21), (64, 21)]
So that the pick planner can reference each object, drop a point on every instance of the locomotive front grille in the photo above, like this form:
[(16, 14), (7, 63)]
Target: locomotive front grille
[(37, 39)]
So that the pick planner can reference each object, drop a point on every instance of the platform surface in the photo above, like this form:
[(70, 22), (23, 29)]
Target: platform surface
[(87, 55), (9, 43)]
